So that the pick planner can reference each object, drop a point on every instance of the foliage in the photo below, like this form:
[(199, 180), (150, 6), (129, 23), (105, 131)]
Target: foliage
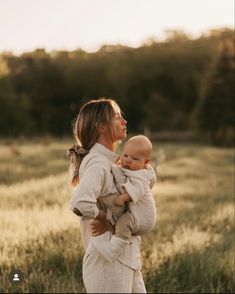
[(158, 85), (217, 112), (191, 249)]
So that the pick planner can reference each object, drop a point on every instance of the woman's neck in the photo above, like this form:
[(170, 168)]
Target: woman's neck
[(106, 143)]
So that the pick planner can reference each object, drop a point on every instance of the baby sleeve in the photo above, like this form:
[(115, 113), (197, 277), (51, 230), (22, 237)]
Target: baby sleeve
[(135, 184)]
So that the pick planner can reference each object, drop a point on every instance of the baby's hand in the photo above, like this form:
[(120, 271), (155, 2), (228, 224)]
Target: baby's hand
[(122, 199)]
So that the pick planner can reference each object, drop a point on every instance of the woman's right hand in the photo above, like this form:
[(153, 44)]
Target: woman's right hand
[(99, 227)]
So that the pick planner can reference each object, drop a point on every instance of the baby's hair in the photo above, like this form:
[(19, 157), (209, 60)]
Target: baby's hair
[(85, 129), (144, 144)]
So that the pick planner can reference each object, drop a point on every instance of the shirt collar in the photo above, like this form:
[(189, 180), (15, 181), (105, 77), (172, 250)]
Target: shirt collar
[(101, 149)]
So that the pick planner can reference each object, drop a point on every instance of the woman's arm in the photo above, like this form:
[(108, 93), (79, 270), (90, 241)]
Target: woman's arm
[(100, 224), (84, 199)]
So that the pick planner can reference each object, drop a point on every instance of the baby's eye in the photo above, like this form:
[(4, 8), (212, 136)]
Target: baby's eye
[(134, 158)]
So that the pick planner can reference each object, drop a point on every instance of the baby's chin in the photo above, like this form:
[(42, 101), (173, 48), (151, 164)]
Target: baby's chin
[(126, 167)]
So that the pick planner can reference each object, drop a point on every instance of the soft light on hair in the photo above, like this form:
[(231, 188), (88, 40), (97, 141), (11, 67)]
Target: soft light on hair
[(85, 129)]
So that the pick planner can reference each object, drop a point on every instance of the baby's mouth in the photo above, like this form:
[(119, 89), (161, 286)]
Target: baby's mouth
[(126, 167)]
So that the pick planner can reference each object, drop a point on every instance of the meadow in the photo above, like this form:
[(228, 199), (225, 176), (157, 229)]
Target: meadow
[(191, 249)]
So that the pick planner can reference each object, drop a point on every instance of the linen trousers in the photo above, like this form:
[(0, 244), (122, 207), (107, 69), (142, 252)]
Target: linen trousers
[(101, 276)]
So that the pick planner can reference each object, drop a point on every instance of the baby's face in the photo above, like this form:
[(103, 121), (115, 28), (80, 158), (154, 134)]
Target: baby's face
[(132, 157)]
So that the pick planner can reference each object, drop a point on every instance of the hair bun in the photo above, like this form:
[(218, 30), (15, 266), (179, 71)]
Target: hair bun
[(76, 150)]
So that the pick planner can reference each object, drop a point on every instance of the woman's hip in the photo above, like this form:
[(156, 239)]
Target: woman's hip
[(101, 276)]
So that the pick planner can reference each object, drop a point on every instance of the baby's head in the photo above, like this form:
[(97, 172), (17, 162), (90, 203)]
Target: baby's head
[(136, 153)]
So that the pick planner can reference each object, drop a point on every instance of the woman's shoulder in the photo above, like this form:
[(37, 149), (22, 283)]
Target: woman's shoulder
[(96, 160)]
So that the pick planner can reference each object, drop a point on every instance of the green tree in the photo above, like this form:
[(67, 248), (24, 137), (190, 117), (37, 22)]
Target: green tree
[(157, 85), (216, 113)]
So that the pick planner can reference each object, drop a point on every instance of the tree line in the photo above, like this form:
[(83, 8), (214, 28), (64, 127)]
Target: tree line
[(178, 84)]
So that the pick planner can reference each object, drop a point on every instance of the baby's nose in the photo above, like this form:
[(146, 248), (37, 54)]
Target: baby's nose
[(128, 160)]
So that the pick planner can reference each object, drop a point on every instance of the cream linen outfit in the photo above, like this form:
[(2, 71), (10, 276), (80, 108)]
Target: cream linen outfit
[(122, 275), (141, 216)]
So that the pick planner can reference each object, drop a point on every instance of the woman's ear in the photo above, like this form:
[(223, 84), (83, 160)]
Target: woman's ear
[(101, 128)]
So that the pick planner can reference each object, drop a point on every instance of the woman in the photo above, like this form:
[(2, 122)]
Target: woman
[(98, 126)]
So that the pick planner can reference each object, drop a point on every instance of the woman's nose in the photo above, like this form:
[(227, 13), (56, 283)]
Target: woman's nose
[(124, 122)]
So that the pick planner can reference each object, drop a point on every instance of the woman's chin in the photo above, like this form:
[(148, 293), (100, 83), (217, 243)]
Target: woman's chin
[(125, 133), (122, 136)]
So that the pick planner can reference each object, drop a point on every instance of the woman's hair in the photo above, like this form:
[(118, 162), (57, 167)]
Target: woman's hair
[(85, 129)]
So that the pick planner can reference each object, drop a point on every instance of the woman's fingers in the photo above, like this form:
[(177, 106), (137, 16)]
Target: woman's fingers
[(98, 227)]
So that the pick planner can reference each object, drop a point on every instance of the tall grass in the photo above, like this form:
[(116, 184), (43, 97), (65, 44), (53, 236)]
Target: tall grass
[(190, 250)]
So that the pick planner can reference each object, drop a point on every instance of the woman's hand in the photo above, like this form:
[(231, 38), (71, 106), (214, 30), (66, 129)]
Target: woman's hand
[(99, 227)]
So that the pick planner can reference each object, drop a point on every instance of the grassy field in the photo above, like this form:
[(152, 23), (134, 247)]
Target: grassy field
[(191, 249)]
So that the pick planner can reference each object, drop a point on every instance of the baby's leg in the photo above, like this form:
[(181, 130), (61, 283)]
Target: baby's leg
[(124, 226)]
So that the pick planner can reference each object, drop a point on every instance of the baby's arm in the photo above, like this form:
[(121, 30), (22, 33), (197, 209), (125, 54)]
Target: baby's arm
[(122, 199)]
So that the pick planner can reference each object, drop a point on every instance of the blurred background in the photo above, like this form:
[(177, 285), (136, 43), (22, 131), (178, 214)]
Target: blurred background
[(170, 65)]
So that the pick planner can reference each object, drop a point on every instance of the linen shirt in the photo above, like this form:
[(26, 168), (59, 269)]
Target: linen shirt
[(96, 181)]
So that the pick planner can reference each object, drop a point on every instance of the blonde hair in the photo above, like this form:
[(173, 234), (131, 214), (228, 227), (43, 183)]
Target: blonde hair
[(85, 129)]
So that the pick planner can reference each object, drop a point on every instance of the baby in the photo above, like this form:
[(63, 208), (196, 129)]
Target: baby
[(134, 180)]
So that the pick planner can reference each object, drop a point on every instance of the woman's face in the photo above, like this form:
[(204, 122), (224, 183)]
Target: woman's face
[(120, 129)]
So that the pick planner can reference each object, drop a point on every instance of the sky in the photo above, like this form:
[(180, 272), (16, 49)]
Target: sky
[(88, 24)]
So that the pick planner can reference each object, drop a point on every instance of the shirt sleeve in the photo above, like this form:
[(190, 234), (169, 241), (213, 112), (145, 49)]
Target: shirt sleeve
[(88, 190)]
